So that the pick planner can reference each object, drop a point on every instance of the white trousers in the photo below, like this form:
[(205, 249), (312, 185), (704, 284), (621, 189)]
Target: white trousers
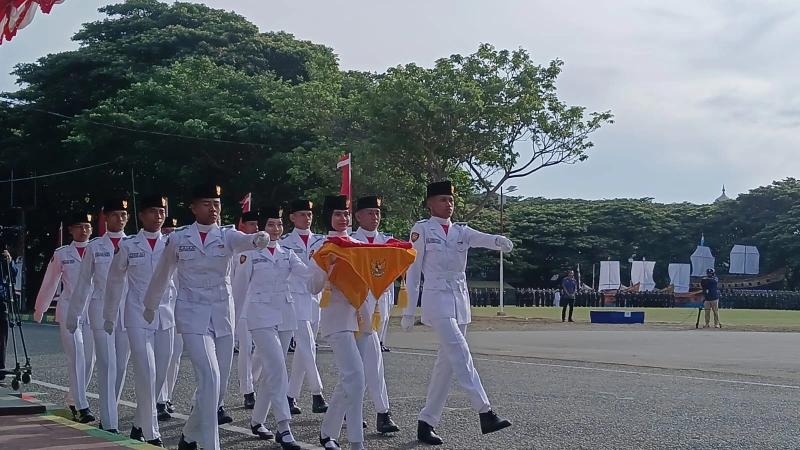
[(172, 371), (271, 348), (203, 351), (348, 395), (304, 363), (113, 352), (79, 349), (249, 364), (151, 351), (370, 350), (384, 328), (453, 359)]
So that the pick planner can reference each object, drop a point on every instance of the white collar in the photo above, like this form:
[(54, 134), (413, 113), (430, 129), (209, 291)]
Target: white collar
[(441, 221)]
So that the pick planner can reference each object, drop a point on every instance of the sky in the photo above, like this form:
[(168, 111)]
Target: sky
[(704, 94)]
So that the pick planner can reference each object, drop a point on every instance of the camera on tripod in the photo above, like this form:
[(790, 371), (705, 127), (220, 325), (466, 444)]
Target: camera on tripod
[(11, 320)]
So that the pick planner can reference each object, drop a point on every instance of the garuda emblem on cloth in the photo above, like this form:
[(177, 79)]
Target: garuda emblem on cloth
[(377, 268)]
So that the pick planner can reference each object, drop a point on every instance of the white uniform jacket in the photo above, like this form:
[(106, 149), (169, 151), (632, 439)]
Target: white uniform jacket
[(298, 284), (262, 278), (340, 315), (136, 261), (204, 300), (442, 260), (63, 268), (386, 300), (91, 284)]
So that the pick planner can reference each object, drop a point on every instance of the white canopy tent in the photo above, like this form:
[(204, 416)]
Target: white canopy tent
[(744, 260), (609, 276), (642, 273), (702, 260), (679, 275)]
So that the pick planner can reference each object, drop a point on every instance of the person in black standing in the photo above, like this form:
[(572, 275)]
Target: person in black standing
[(8, 275), (568, 287)]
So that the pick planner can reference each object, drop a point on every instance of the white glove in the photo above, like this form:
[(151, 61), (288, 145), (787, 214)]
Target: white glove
[(407, 322), (504, 243), (108, 326), (72, 325), (261, 240), (149, 315)]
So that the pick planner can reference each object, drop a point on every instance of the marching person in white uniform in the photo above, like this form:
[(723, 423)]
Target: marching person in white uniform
[(339, 322), (78, 346), (368, 214), (249, 365), (200, 254), (304, 364), (164, 405), (442, 248), (151, 343), (262, 278), (112, 349)]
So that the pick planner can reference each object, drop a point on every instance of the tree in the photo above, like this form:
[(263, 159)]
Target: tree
[(472, 115)]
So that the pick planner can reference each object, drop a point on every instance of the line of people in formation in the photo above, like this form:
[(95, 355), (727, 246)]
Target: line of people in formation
[(752, 299), (169, 289)]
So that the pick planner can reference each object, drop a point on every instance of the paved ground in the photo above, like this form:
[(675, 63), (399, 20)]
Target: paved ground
[(562, 390), (27, 432)]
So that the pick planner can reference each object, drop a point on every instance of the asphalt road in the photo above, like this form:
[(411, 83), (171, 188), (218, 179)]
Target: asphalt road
[(553, 404)]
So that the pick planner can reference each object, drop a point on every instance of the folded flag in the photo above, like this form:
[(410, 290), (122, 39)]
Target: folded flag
[(361, 268)]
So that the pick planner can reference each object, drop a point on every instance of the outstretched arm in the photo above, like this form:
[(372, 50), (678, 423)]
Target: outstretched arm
[(414, 273)]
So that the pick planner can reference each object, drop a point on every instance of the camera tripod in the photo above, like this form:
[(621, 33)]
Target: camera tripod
[(11, 304)]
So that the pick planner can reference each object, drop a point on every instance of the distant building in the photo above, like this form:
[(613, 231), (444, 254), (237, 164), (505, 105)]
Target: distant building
[(723, 197)]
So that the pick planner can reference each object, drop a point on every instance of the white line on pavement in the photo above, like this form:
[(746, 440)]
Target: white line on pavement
[(628, 372), (183, 417)]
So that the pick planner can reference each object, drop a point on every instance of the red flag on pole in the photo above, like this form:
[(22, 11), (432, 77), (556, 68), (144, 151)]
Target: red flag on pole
[(60, 235), (344, 164), (101, 224), (245, 202)]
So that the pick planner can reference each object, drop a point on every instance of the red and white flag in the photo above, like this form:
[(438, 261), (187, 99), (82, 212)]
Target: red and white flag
[(344, 164), (245, 202), (166, 208)]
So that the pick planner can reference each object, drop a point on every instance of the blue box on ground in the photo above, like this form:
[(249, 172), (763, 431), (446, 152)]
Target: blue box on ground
[(617, 316)]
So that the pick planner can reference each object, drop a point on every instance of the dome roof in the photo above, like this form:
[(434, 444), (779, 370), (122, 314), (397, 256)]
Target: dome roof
[(723, 197)]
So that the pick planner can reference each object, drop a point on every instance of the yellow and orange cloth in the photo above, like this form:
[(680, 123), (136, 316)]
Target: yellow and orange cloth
[(361, 268)]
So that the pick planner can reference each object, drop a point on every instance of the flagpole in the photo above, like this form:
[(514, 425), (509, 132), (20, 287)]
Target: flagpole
[(133, 188)]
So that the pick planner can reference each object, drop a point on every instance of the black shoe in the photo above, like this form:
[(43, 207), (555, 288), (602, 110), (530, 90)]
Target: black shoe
[(157, 442), (318, 404), (262, 432), (287, 445), (385, 424), (74, 413), (137, 434), (292, 345), (163, 414), (323, 441), (85, 416), (250, 400), (364, 424), (491, 423), (170, 407), (426, 434), (183, 445), (223, 417), (384, 349), (293, 408), (112, 431), (570, 320)]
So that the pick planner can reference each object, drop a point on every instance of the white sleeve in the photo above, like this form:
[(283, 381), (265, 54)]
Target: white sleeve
[(161, 275), (477, 239), (317, 278), (114, 285), (240, 284), (414, 273), (49, 285), (240, 242), (80, 293)]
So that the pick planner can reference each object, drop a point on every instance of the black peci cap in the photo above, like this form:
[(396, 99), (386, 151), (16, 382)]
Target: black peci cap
[(271, 212), (170, 222), (441, 188), (336, 202), (80, 217), (250, 216), (300, 205), (152, 201), (206, 191), (115, 204), (368, 202)]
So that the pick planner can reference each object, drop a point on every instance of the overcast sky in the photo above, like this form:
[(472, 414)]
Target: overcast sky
[(704, 93)]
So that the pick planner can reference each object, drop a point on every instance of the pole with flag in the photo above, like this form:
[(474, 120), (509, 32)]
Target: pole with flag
[(60, 244), (245, 202), (579, 277), (101, 224), (166, 207), (344, 164)]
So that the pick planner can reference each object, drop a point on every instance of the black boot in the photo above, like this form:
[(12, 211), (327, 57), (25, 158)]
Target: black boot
[(318, 404), (262, 432), (384, 348), (426, 434), (292, 345), (163, 414), (293, 408), (170, 407), (385, 424), (74, 413), (491, 423), (324, 441), (223, 417), (287, 445), (250, 400), (156, 442), (183, 445), (85, 416), (137, 434)]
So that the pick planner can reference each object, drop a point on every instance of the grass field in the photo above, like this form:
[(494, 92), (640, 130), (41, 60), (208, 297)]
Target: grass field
[(752, 317)]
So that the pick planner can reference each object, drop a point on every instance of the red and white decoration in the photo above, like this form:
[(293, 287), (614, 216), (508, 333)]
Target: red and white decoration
[(18, 14), (344, 164), (246, 203)]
